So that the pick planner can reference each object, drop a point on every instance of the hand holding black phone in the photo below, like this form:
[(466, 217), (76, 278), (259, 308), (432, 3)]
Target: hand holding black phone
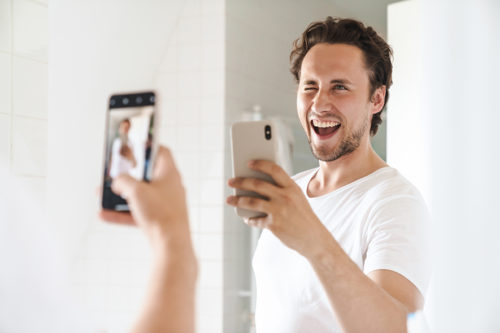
[(128, 143)]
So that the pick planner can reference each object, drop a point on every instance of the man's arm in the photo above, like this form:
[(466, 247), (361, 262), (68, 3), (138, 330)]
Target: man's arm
[(170, 300), (375, 303), (159, 209)]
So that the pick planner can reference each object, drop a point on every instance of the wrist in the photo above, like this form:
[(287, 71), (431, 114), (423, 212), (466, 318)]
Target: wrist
[(172, 240), (175, 253)]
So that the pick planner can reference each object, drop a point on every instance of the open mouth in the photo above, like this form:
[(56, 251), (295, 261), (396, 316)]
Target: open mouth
[(325, 128)]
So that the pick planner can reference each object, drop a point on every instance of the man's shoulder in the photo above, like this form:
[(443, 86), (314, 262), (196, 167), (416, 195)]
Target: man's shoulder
[(390, 186), (390, 180)]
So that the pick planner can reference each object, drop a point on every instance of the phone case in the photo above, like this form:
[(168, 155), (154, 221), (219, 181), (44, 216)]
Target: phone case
[(249, 142)]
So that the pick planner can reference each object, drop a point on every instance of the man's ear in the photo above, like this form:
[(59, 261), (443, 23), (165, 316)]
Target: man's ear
[(378, 99)]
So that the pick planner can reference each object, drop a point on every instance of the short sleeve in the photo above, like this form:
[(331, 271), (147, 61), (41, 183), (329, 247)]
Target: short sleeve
[(397, 238)]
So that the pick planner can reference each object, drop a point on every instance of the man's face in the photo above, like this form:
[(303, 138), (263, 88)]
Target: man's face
[(333, 101), (124, 127)]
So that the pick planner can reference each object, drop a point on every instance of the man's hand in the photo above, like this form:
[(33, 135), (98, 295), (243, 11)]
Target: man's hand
[(158, 207), (289, 215)]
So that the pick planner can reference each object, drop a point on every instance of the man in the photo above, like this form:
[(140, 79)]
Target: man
[(122, 155), (344, 244)]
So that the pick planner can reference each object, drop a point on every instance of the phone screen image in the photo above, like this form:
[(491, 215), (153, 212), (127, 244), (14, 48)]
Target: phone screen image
[(129, 141)]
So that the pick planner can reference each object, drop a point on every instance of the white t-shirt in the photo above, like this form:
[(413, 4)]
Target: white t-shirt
[(119, 164), (379, 220)]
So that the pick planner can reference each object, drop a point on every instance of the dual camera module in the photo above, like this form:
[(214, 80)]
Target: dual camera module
[(267, 131)]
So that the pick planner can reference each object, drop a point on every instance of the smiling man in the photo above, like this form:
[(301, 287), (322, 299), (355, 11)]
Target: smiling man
[(344, 245)]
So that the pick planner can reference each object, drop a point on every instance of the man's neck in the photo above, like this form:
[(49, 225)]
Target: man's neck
[(348, 168)]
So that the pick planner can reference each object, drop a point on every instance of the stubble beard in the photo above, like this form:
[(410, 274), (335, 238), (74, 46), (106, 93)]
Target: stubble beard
[(348, 144)]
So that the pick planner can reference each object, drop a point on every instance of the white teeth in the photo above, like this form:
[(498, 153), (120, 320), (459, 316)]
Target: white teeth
[(323, 123)]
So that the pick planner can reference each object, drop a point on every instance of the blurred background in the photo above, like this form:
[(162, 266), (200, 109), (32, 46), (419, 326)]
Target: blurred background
[(213, 62)]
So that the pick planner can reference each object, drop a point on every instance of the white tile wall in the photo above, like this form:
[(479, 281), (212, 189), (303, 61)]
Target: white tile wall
[(29, 147), (168, 112), (23, 139), (192, 8), (211, 10), (30, 29), (212, 83), (213, 164), (169, 61), (4, 144), (29, 89), (188, 138), (191, 83), (212, 110), (211, 219), (5, 83), (168, 135), (213, 137), (189, 31), (212, 191), (5, 25), (188, 163), (189, 111), (194, 218), (188, 57), (210, 247), (210, 274)]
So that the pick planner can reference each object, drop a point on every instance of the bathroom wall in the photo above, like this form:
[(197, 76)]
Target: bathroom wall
[(30, 269), (98, 48), (23, 121), (191, 83), (407, 136), (182, 57), (444, 136)]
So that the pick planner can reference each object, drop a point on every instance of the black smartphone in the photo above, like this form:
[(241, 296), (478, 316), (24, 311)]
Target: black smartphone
[(129, 142)]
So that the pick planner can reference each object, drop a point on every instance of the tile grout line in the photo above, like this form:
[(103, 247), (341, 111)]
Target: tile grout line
[(28, 57), (11, 134)]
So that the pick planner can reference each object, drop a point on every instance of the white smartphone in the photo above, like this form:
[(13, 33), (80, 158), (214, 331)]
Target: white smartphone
[(252, 140)]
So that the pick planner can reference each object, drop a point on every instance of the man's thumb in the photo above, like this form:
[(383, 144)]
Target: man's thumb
[(123, 185)]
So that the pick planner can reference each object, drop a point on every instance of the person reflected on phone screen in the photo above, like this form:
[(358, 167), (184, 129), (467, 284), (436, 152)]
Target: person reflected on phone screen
[(122, 153)]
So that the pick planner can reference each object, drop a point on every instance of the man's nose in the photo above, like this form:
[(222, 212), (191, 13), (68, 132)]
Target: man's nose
[(322, 102)]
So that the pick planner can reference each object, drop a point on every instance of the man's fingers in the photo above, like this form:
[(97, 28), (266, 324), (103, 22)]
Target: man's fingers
[(253, 184), (124, 185), (251, 203), (116, 217), (272, 169), (258, 222), (164, 163)]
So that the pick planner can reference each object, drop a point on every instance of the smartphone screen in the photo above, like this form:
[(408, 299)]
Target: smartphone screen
[(129, 141)]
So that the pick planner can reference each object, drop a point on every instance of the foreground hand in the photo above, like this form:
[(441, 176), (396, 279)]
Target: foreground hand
[(158, 207), (289, 215)]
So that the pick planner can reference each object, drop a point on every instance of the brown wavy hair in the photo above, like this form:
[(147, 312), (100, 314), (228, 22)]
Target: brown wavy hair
[(377, 53)]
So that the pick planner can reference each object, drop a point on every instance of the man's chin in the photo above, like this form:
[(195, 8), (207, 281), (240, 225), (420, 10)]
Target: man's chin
[(332, 154), (325, 156)]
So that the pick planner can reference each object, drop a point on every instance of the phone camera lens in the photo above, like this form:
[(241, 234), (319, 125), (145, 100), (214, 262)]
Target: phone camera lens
[(112, 102), (125, 101), (152, 99), (138, 100), (267, 131)]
